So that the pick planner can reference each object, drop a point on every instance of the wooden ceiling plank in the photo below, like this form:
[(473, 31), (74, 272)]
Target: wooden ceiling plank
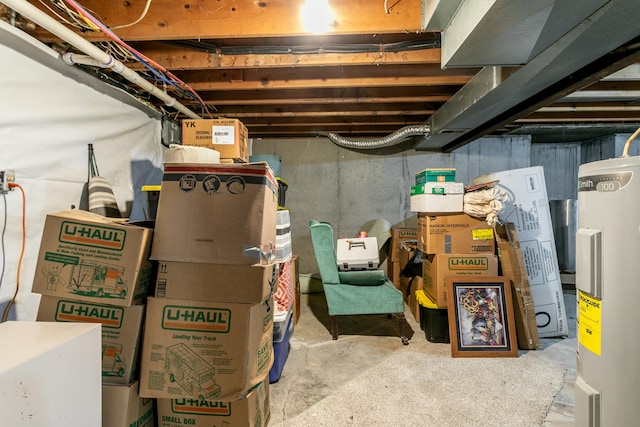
[(207, 19), (336, 83), (238, 115), (173, 58)]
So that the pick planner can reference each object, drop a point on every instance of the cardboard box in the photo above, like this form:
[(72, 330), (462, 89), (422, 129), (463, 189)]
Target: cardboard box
[(454, 234), (122, 407), (402, 236), (394, 273), (513, 267), (205, 350), (528, 209), (436, 203), (227, 136), (254, 410), (217, 214), (88, 257), (121, 331), (246, 284), (437, 267), (436, 175), (408, 287)]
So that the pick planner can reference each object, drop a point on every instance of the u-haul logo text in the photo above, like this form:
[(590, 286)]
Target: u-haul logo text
[(73, 311), (201, 407), (200, 319), (92, 235), (468, 263)]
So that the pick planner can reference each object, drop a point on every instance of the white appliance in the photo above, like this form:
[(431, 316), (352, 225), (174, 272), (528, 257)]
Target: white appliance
[(358, 253), (50, 374), (607, 271)]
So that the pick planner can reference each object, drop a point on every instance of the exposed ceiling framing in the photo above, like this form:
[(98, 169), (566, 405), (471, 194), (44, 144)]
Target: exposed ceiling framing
[(379, 69)]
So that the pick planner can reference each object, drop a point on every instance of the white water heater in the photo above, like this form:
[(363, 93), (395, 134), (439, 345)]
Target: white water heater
[(608, 294)]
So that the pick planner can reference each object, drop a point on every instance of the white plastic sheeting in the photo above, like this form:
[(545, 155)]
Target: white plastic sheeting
[(49, 112)]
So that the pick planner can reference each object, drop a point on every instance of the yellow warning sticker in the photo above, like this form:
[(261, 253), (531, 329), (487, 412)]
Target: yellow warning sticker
[(482, 234), (589, 322)]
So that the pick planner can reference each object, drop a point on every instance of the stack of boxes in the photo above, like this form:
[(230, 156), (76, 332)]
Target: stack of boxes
[(451, 242), (207, 347), (95, 269)]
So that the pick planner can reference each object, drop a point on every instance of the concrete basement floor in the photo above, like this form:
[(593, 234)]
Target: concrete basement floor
[(310, 375)]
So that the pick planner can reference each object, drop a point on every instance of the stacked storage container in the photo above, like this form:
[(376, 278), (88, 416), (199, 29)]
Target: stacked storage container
[(95, 269), (207, 347), (284, 296)]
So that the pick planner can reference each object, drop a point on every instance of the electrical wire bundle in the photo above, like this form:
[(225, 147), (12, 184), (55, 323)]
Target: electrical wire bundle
[(71, 13)]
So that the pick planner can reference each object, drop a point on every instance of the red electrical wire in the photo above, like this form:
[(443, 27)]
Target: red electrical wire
[(11, 302), (117, 39)]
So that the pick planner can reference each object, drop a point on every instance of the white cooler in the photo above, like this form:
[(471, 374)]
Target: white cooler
[(358, 253)]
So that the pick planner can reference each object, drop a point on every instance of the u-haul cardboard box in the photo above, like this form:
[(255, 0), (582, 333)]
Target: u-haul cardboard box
[(205, 350), (123, 407), (454, 234), (400, 236), (252, 411), (121, 330), (435, 268), (247, 284), (217, 214), (528, 208), (227, 136), (88, 257)]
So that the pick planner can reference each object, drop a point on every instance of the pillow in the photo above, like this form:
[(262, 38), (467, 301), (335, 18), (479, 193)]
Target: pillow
[(363, 278)]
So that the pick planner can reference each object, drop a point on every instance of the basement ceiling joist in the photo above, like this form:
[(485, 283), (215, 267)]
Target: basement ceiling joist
[(376, 71)]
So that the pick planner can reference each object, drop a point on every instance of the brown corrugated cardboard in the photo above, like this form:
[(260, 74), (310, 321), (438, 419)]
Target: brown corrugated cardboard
[(252, 411), (454, 234), (437, 267), (121, 330), (218, 214), (88, 257), (123, 407), (227, 136), (400, 236), (205, 350), (246, 284), (513, 267)]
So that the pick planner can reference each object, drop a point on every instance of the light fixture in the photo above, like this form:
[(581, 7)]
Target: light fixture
[(317, 16)]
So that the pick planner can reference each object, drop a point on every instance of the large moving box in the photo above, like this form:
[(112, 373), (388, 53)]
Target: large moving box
[(528, 208), (227, 136), (218, 214), (247, 284), (121, 330), (454, 234), (87, 257), (437, 267), (252, 411), (205, 350), (123, 407)]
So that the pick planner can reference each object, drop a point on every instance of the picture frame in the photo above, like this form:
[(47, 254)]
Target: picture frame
[(480, 312)]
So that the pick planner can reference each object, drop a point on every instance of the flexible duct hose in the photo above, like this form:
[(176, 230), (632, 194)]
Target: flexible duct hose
[(382, 142)]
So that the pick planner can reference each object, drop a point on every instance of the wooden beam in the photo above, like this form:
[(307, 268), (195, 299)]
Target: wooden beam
[(336, 82), (177, 58), (207, 19)]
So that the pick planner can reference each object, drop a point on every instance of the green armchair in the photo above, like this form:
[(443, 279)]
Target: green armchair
[(353, 292)]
